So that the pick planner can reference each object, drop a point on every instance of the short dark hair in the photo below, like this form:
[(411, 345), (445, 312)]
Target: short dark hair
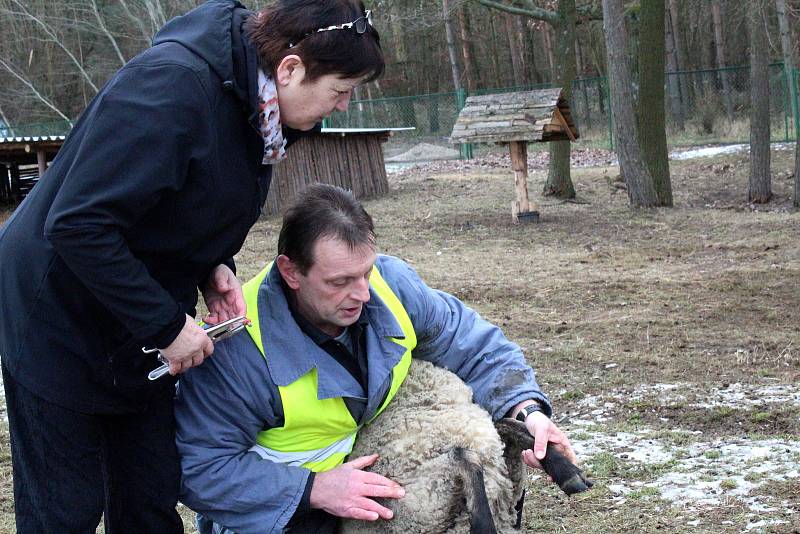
[(342, 52), (321, 211)]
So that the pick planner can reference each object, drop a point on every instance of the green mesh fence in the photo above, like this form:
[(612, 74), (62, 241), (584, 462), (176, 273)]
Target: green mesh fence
[(702, 107), (713, 106)]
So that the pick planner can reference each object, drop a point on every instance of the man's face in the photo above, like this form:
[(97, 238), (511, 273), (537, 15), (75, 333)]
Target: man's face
[(333, 291)]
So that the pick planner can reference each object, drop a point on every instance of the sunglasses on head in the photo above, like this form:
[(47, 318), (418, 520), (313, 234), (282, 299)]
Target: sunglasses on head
[(359, 25)]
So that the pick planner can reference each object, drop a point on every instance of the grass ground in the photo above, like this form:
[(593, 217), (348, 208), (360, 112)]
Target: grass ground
[(667, 339)]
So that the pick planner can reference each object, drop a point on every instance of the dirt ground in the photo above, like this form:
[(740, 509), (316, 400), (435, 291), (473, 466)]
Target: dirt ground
[(667, 339)]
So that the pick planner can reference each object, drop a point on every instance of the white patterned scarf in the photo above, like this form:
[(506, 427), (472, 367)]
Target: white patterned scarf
[(269, 120)]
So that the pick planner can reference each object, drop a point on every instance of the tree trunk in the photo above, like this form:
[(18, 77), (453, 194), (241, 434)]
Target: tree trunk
[(760, 181), (680, 53), (559, 181), (641, 191), (466, 49), (451, 46), (516, 59), (673, 80), (519, 36), (408, 116), (789, 65), (580, 73), (495, 64), (719, 46), (548, 47), (652, 134)]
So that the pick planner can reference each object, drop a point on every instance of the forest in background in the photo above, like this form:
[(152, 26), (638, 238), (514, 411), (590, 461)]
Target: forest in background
[(55, 55)]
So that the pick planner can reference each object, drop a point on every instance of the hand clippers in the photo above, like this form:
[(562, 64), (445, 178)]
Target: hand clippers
[(215, 332)]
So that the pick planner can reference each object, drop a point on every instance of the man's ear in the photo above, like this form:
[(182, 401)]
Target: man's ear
[(289, 271), (291, 68)]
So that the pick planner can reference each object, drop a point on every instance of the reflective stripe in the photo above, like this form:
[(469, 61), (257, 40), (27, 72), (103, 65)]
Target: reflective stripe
[(343, 446)]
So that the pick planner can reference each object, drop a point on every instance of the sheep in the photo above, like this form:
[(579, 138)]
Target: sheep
[(458, 473)]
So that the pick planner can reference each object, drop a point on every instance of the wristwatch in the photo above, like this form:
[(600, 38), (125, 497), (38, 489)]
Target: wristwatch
[(523, 414)]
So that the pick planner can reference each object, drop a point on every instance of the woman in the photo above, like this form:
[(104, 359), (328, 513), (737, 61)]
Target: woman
[(148, 200)]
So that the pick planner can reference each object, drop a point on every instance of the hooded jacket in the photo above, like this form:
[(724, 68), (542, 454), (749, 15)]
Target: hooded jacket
[(158, 183)]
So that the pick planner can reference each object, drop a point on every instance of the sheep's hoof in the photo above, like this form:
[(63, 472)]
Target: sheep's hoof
[(576, 484)]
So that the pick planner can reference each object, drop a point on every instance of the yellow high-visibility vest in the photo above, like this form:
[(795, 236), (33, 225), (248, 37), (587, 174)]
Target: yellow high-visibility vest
[(319, 434)]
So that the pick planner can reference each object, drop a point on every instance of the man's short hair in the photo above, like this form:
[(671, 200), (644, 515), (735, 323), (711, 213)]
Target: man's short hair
[(323, 211)]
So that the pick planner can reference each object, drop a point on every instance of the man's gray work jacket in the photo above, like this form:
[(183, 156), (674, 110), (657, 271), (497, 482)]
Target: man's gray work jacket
[(225, 402)]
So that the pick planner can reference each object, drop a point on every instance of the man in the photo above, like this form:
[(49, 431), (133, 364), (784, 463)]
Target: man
[(265, 425)]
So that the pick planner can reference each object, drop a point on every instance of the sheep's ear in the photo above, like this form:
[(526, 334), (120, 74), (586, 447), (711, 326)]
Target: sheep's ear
[(470, 471), (567, 475)]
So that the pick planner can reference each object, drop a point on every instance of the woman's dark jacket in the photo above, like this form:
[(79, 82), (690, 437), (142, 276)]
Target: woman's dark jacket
[(159, 182)]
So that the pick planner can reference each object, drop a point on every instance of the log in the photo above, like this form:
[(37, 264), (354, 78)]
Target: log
[(352, 161), (522, 209)]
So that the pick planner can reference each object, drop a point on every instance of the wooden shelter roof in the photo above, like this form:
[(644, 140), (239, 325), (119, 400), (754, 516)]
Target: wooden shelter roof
[(541, 115)]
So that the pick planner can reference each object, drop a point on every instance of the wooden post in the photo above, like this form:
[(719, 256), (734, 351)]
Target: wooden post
[(41, 159), (522, 209), (5, 186), (14, 182)]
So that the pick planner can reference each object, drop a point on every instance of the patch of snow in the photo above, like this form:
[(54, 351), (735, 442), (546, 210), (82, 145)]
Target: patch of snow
[(737, 469), (737, 395), (764, 523), (394, 168), (709, 151), (425, 152)]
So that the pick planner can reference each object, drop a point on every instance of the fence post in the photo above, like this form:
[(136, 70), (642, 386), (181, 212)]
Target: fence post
[(607, 90), (787, 97), (794, 75), (461, 100)]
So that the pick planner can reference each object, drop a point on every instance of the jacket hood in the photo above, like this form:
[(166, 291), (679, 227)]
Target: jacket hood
[(206, 31)]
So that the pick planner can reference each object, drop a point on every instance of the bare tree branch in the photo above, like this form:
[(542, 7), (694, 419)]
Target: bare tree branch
[(137, 21), (33, 89), (54, 38), (156, 14), (107, 33), (531, 10), (6, 123)]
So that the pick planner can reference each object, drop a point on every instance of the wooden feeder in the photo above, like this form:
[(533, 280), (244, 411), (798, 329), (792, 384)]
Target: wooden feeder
[(516, 119)]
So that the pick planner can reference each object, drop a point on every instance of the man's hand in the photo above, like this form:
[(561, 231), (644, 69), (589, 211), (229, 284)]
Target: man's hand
[(223, 296), (345, 491), (544, 430), (189, 349)]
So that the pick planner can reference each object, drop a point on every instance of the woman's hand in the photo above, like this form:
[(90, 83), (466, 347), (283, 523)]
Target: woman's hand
[(223, 296), (189, 349)]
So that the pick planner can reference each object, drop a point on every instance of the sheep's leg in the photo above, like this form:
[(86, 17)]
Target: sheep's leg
[(470, 471), (567, 475)]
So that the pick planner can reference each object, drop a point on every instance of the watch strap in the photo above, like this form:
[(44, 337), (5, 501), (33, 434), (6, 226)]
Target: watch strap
[(523, 414)]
